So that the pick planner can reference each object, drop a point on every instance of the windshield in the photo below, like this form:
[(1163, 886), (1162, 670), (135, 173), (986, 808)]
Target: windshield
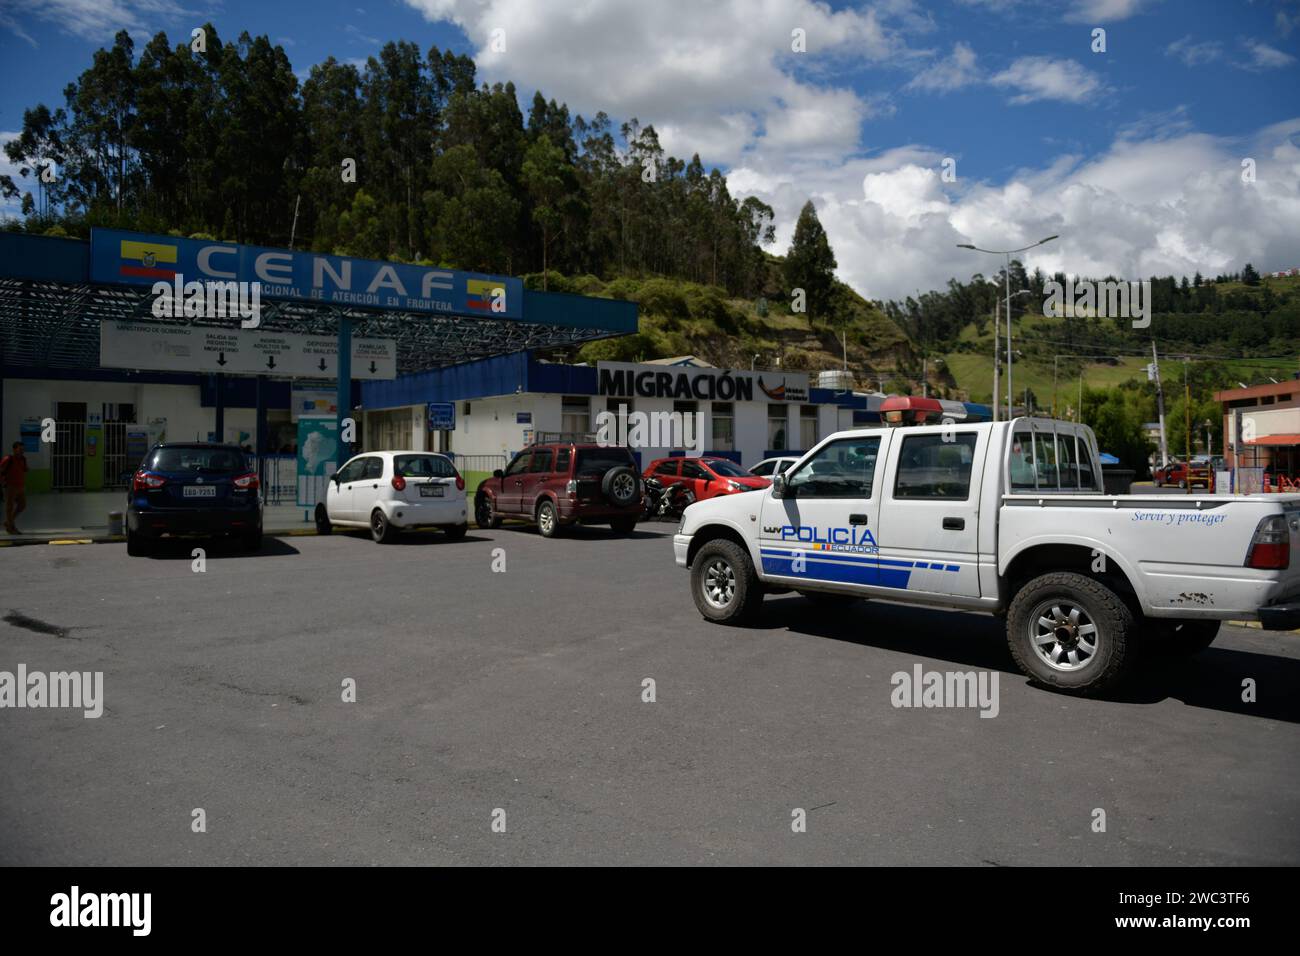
[(726, 468), (181, 458)]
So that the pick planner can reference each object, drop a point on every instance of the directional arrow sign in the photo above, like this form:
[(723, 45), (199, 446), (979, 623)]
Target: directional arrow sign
[(250, 351)]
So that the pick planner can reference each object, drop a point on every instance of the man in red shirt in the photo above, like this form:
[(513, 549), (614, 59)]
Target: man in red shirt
[(13, 476)]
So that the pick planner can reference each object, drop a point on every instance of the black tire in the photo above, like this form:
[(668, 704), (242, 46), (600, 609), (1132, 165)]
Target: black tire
[(323, 523), (136, 545), (485, 516), (724, 584), (1183, 483), (1067, 599), (381, 529), (623, 525), (1159, 483), (548, 519), (828, 599), (252, 541), (456, 532), (620, 486), (1178, 638)]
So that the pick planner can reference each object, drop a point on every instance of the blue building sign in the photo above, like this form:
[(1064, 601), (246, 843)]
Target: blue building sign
[(131, 258), (442, 416)]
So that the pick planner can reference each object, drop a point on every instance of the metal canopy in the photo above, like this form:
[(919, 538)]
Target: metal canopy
[(50, 316)]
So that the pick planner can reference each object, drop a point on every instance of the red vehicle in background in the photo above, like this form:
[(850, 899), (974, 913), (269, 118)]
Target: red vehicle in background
[(1177, 473), (705, 477)]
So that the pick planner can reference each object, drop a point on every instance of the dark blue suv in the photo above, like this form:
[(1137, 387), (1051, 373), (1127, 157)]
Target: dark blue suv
[(193, 488)]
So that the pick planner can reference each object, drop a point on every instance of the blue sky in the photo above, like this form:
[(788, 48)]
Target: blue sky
[(1132, 154)]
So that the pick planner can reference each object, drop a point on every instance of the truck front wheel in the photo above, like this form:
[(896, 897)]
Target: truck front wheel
[(1070, 632), (724, 584)]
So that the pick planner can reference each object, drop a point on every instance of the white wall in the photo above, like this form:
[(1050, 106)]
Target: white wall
[(491, 429)]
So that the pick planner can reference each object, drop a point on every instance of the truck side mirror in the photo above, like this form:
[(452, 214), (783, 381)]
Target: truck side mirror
[(498, 473), (778, 486)]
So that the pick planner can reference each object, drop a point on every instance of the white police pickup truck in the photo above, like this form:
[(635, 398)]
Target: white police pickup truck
[(1009, 518)]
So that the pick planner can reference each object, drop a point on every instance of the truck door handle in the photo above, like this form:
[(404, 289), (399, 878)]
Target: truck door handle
[(954, 524), (857, 519)]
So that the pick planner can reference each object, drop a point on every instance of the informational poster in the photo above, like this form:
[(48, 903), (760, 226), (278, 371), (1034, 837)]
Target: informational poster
[(29, 431), (318, 457), (313, 400)]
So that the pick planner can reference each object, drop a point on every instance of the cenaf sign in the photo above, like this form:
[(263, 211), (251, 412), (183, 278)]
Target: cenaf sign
[(132, 258)]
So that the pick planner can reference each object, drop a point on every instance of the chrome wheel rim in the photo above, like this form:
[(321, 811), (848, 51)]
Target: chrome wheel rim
[(377, 523), (719, 583), (1063, 635), (545, 519), (485, 511), (623, 487)]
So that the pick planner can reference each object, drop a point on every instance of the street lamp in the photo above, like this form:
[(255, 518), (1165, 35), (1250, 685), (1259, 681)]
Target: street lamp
[(1007, 253)]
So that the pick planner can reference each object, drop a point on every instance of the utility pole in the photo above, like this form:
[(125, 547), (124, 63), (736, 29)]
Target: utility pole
[(925, 377), (1187, 418), (997, 318), (1160, 405)]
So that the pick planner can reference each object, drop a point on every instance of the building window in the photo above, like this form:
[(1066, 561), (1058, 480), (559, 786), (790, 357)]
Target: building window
[(575, 416), (724, 427), (777, 422), (807, 426)]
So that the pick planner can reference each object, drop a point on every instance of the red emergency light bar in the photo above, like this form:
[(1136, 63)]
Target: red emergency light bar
[(910, 410)]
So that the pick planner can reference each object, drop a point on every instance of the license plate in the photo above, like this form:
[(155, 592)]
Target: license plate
[(432, 491), (200, 491)]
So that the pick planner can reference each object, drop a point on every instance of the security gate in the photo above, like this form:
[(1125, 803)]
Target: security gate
[(117, 470), (67, 457)]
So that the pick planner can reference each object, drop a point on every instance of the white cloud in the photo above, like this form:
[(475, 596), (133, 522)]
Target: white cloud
[(1194, 54), (1037, 78), (11, 208), (1173, 204), (1106, 11), (1263, 57), (96, 20), (951, 73), (718, 78)]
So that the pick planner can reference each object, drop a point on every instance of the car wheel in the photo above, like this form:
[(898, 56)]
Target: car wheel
[(323, 524), (1183, 483), (381, 529), (136, 545), (253, 540), (485, 515), (1173, 638), (548, 522), (724, 584), (1159, 483), (1070, 632), (623, 525), (620, 486), (456, 532)]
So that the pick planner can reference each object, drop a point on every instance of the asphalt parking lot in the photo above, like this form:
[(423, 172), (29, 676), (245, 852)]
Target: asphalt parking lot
[(522, 692)]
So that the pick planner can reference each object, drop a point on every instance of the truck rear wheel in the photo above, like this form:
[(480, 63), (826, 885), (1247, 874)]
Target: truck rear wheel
[(724, 584), (1070, 632)]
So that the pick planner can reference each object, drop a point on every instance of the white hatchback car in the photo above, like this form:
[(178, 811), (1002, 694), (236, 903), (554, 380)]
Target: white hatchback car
[(772, 466), (394, 491)]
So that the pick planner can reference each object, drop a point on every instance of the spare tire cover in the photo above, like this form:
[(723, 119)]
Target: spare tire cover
[(620, 485)]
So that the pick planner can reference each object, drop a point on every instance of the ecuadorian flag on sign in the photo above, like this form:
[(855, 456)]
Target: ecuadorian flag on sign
[(479, 294), (149, 260)]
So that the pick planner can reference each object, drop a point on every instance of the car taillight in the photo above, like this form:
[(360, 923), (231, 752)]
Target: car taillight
[(460, 482), (145, 481), (399, 483), (1270, 548), (571, 487), (249, 482)]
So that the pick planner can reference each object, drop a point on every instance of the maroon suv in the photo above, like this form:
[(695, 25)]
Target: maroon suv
[(563, 483)]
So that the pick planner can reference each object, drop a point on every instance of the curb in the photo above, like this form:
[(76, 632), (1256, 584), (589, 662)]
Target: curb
[(28, 540)]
